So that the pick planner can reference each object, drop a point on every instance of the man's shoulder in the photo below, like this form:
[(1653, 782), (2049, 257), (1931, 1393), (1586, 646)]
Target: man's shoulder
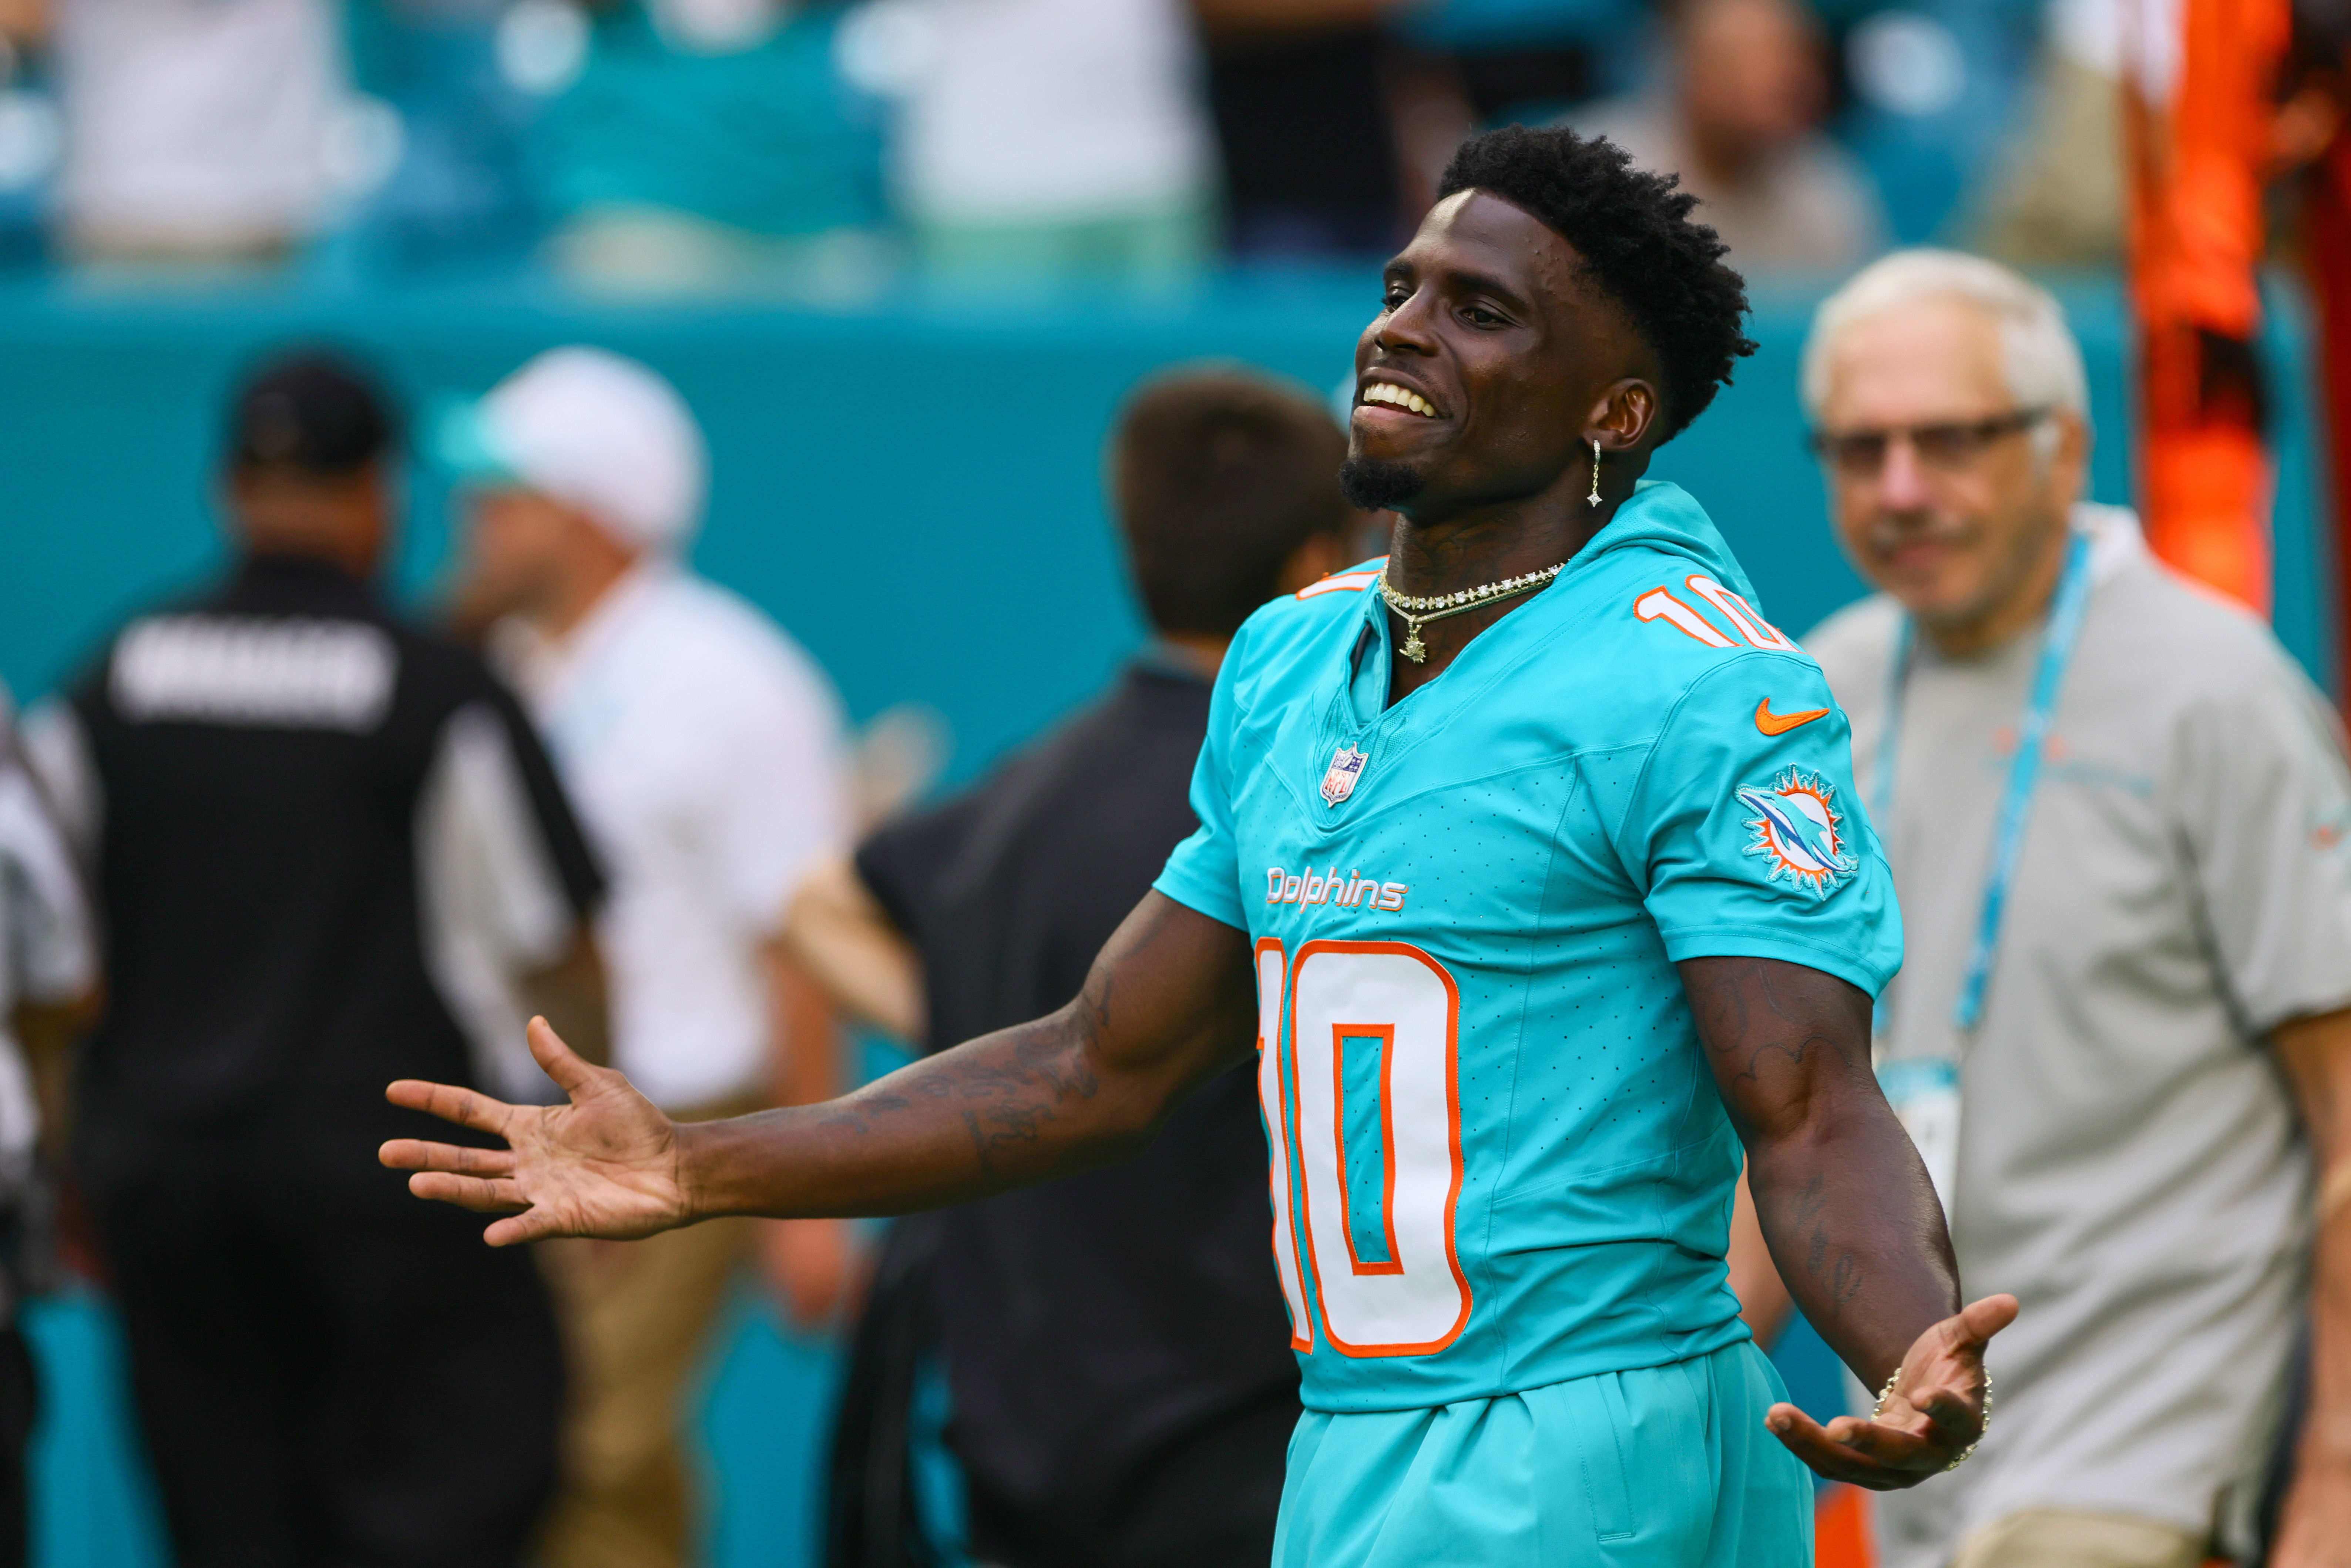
[(1855, 645), (2185, 646), (341, 661), (1102, 793), (1281, 630), (687, 609), (1641, 123), (436, 668), (1651, 628), (1824, 172), (2156, 600), (212, 599), (1136, 740), (714, 642), (1333, 598)]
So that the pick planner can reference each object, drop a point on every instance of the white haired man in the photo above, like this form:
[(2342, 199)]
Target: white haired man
[(2116, 816), (703, 750)]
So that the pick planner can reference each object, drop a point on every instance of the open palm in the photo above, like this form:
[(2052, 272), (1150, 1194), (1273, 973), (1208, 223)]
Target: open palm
[(1936, 1410), (604, 1165)]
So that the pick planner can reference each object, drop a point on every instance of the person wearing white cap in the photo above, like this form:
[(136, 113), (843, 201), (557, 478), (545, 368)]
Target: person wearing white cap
[(703, 748)]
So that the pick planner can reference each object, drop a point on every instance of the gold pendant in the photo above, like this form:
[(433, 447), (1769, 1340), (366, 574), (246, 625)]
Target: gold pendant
[(1413, 649)]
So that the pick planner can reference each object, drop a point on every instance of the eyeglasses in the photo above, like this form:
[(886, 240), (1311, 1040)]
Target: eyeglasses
[(1861, 453)]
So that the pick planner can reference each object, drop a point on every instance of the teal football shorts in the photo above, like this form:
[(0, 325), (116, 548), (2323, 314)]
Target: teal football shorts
[(1666, 1467)]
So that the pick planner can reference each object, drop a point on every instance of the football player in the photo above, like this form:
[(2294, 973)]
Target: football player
[(1528, 863)]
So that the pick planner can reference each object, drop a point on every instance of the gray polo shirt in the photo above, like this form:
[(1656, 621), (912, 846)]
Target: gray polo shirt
[(2129, 1161)]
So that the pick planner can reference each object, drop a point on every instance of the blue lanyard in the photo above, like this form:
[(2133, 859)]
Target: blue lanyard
[(2023, 773)]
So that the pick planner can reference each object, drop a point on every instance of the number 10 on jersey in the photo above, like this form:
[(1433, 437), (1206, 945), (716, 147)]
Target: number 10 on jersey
[(1361, 1089)]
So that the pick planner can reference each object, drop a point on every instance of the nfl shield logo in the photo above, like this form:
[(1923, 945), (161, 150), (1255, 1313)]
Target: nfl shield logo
[(1346, 767)]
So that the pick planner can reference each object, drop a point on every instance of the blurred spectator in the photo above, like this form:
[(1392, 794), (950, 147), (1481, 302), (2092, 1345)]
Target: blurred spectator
[(47, 969), (2117, 814), (713, 143), (1934, 94), (1163, 1442), (1525, 60), (1045, 137), (2059, 201), (1737, 116), (1335, 117), (326, 851), (457, 85), (1302, 93), (705, 750), (31, 133), (197, 130)]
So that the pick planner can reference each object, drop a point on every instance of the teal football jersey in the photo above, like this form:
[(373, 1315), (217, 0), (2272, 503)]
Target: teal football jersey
[(1499, 1157)]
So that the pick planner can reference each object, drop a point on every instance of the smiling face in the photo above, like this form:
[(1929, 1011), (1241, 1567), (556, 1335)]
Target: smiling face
[(1969, 543), (1492, 364)]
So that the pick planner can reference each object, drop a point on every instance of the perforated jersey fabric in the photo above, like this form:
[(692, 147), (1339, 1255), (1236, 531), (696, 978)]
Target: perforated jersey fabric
[(1499, 1160)]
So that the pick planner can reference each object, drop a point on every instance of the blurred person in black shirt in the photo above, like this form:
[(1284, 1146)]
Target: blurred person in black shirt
[(1302, 93), (1335, 117), (1161, 1443), (326, 851)]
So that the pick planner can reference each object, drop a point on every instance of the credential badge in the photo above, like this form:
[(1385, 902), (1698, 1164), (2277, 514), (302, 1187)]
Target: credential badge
[(1346, 767)]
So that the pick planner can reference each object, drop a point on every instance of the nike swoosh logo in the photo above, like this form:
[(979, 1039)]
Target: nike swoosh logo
[(1771, 723)]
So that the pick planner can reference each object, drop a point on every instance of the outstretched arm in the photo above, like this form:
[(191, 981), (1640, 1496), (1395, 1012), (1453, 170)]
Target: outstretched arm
[(1850, 1216), (1170, 1000)]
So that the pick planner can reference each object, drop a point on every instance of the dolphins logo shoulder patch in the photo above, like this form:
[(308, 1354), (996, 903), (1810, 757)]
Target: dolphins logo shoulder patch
[(1796, 835)]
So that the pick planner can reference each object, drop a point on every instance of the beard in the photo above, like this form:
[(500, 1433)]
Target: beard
[(1374, 484)]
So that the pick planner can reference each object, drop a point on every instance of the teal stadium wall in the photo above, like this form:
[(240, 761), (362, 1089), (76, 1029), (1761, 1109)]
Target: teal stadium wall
[(913, 486)]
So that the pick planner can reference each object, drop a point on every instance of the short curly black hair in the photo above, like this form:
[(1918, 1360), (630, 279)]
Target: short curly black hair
[(1219, 474), (1633, 229)]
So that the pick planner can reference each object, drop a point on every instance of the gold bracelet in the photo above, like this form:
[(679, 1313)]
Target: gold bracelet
[(1878, 1412)]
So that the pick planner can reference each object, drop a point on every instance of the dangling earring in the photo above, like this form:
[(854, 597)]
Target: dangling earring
[(1594, 499)]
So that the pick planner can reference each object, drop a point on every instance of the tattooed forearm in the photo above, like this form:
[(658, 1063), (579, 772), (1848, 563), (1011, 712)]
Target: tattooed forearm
[(1007, 1091), (1017, 1097), (1171, 1000), (1844, 1280), (858, 1116), (1807, 1204), (1810, 1212)]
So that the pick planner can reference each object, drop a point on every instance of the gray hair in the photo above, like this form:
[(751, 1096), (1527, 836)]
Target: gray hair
[(2042, 361)]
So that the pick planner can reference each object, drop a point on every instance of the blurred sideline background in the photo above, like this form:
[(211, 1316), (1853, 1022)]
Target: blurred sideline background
[(913, 486), (904, 257)]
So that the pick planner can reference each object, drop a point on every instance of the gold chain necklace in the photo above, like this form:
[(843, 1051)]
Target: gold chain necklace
[(1418, 612)]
